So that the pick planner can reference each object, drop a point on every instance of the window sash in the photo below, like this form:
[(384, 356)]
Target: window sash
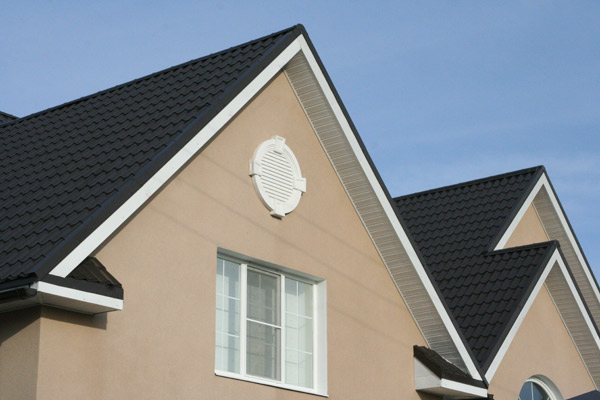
[(285, 350)]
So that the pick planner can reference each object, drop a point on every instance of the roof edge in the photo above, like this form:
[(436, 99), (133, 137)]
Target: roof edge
[(391, 201), (202, 119), (153, 74), (540, 169), (513, 213), (553, 247)]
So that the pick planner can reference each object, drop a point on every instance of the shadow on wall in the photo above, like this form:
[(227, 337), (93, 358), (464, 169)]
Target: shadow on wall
[(13, 322), (98, 321)]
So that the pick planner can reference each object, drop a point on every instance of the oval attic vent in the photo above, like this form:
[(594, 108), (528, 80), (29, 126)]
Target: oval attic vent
[(276, 175)]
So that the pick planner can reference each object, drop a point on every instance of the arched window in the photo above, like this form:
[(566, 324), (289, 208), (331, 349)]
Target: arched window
[(539, 388)]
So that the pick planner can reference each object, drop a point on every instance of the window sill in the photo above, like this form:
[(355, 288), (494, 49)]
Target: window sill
[(268, 382)]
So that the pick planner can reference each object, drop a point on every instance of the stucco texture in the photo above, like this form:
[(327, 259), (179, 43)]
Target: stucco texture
[(162, 344), (19, 354), (542, 345), (529, 230)]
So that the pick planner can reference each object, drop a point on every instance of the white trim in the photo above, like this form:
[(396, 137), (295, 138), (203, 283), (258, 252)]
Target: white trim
[(549, 387), (464, 388), (517, 324), (580, 305), (383, 200), (264, 178), (268, 382), (544, 183), (319, 330), (517, 219), (78, 295), (555, 259), (427, 381), (112, 223)]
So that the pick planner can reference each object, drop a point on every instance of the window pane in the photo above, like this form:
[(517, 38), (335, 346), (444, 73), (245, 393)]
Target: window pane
[(227, 351), (299, 368), (263, 297), (533, 391), (299, 333), (263, 346)]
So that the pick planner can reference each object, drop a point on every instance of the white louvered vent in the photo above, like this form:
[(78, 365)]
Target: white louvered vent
[(276, 175)]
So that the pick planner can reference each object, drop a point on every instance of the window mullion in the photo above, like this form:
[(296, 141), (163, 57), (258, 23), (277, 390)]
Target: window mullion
[(283, 342), (243, 314)]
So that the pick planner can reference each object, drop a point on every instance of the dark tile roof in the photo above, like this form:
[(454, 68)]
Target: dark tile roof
[(454, 229), (593, 395), (64, 170), (442, 367), (4, 117)]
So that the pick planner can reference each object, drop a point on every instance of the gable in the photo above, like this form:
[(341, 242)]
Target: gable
[(70, 168), (260, 61), (529, 230), (557, 227), (165, 257), (542, 346)]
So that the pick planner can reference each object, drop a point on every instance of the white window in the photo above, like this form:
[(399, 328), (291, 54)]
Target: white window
[(539, 388), (270, 326)]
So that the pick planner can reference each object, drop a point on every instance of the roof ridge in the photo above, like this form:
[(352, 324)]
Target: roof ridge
[(151, 75), (7, 115), (521, 303), (200, 119), (472, 182)]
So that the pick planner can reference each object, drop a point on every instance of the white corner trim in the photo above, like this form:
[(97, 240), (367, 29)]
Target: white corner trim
[(517, 324), (383, 200), (555, 259), (78, 295), (112, 223), (544, 183)]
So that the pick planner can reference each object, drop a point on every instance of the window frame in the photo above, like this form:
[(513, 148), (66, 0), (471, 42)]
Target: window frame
[(319, 318), (546, 385)]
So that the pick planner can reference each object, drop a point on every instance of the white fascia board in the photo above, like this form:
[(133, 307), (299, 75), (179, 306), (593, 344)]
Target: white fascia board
[(491, 371), (463, 388), (427, 381), (544, 183), (77, 296), (112, 223), (517, 219), (579, 301), (556, 259), (383, 200)]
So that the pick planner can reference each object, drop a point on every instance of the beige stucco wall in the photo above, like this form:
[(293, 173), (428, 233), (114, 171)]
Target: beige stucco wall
[(542, 346), (161, 346), (19, 345), (529, 230)]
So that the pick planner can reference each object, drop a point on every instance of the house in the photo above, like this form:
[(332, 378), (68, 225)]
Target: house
[(217, 230)]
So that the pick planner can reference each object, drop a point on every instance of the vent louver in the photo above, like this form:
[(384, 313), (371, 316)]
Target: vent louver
[(276, 176)]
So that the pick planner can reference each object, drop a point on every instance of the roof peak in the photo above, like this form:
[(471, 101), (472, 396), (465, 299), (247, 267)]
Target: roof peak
[(298, 27), (537, 169)]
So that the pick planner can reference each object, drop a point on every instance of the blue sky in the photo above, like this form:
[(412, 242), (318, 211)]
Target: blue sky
[(441, 92)]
